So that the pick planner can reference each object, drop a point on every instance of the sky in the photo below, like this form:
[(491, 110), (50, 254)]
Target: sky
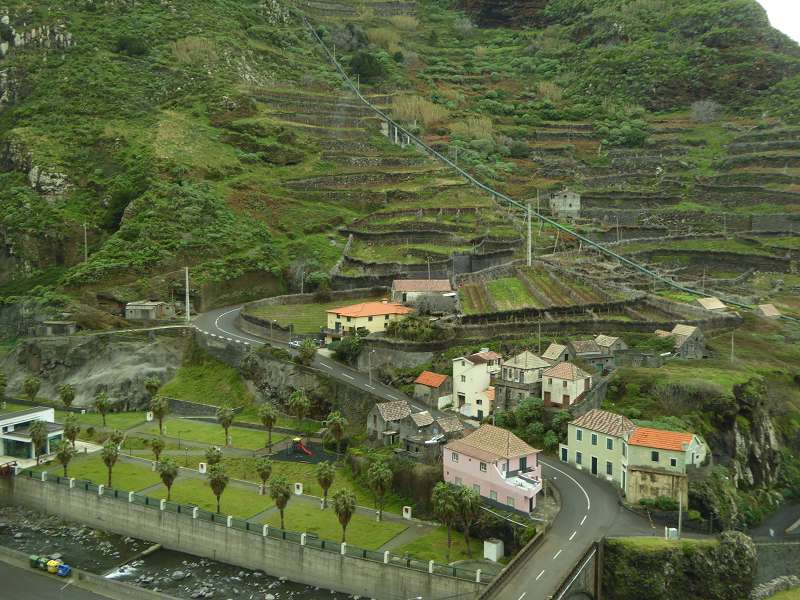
[(784, 15)]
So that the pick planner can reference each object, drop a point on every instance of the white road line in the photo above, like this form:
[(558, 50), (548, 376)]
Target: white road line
[(583, 520), (557, 554), (392, 397), (574, 533), (574, 577), (243, 337), (539, 576), (326, 365), (523, 595), (348, 376), (588, 502), (368, 386)]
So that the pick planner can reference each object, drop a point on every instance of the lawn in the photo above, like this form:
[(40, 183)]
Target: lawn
[(204, 379), (121, 420), (250, 415), (212, 433), (793, 594), (509, 293), (363, 532), (306, 318), (244, 468), (11, 407), (236, 501), (433, 546), (126, 476)]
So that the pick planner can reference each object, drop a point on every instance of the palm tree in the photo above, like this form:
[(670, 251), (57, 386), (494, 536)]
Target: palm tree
[(30, 387), (102, 405), (152, 385), (71, 428), (110, 454), (268, 417), (225, 418), (159, 406), (116, 437), (38, 432), (445, 507), (264, 470), (280, 492), (469, 509), (213, 456), (336, 427), (157, 446), (67, 394), (344, 505), (64, 454), (325, 476), (218, 480), (168, 470), (299, 404), (379, 477)]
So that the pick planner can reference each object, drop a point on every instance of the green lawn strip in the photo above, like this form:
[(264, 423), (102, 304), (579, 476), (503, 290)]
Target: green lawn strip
[(657, 544), (237, 501), (306, 318), (244, 468), (793, 594), (433, 546), (128, 476), (121, 420), (11, 407), (362, 532), (250, 415), (212, 433), (509, 294), (208, 381)]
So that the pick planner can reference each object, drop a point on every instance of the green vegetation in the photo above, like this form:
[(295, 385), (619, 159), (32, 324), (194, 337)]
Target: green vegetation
[(793, 594), (509, 293), (237, 501), (305, 318), (119, 420), (209, 433), (433, 546), (128, 476)]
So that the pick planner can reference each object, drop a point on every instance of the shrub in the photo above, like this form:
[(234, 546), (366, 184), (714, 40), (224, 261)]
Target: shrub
[(404, 22), (549, 91), (385, 38), (194, 50), (416, 108), (473, 128), (367, 66), (414, 328), (519, 150), (463, 27), (705, 111), (131, 46)]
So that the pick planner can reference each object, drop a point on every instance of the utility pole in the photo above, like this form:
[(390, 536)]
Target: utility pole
[(530, 238), (618, 236), (85, 244), (733, 356), (188, 312), (369, 364), (302, 280), (680, 514), (429, 267), (539, 338)]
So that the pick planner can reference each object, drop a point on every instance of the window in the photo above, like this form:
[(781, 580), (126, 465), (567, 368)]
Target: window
[(609, 468), (385, 317), (478, 401), (673, 462), (454, 457), (579, 435), (483, 467), (369, 319), (609, 444), (563, 384), (578, 458), (493, 495), (463, 379), (594, 439), (654, 456), (349, 319), (624, 450), (476, 488), (549, 381), (510, 501), (564, 455), (459, 481)]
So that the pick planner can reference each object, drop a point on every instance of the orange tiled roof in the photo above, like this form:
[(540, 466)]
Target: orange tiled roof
[(660, 438), (491, 443), (431, 379), (566, 371), (371, 309)]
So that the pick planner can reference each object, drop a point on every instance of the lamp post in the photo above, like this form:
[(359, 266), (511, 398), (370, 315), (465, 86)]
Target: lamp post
[(369, 364)]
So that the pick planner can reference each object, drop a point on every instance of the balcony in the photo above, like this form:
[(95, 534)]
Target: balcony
[(530, 480)]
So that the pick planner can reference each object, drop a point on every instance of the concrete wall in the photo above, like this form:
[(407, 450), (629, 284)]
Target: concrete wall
[(777, 559), (644, 483), (275, 557)]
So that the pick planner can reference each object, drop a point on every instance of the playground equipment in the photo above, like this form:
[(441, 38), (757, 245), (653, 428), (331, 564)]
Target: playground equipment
[(298, 446)]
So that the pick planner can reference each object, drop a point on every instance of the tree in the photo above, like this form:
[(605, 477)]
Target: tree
[(38, 433), (445, 507), (168, 471), (336, 427), (159, 406), (469, 509), (71, 428), (110, 454), (116, 437), (30, 387), (347, 349), (325, 476), (280, 492), (157, 446), (344, 505), (218, 480), (225, 418), (102, 405), (379, 476), (264, 470), (64, 454), (268, 416), (367, 66), (213, 456), (306, 352), (152, 385), (3, 385), (550, 440), (299, 404), (559, 422), (67, 394)]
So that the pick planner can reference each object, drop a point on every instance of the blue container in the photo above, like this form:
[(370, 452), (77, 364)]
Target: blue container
[(64, 570)]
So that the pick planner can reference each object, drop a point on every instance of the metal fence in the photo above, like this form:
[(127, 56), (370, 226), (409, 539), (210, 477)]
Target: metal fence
[(303, 539)]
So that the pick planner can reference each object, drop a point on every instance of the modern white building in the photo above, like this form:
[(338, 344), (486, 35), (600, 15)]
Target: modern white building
[(473, 394), (15, 439)]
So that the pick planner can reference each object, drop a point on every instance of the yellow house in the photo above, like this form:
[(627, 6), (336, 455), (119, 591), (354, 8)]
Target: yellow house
[(372, 316)]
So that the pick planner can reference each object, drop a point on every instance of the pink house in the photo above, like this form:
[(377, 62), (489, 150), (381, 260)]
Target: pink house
[(496, 464)]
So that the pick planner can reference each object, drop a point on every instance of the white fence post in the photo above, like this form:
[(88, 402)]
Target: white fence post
[(130, 497), (194, 512), (478, 576), (162, 505), (100, 489), (265, 530), (71, 482), (343, 549), (302, 539), (430, 566), (229, 522), (44, 475), (386, 557)]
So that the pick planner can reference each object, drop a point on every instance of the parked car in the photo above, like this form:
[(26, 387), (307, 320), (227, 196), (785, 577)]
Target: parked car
[(295, 343)]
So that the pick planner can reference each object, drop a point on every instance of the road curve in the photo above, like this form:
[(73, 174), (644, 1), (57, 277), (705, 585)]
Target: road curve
[(222, 322)]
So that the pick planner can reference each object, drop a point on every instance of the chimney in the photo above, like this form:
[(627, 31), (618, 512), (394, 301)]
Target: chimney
[(385, 301)]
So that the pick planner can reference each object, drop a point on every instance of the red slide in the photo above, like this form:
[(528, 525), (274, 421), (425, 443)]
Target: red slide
[(304, 449)]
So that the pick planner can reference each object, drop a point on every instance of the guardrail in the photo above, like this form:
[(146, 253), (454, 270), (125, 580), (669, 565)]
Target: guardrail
[(303, 539), (499, 196)]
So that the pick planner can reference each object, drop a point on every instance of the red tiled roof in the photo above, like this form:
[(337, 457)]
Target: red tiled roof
[(566, 371), (371, 309), (431, 379), (422, 285), (660, 438), (483, 357), (491, 443)]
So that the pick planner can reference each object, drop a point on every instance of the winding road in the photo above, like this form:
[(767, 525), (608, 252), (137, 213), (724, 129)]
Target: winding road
[(589, 506)]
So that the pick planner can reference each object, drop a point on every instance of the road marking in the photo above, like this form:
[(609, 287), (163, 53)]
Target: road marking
[(348, 376), (557, 554), (574, 533), (368, 386), (583, 520), (574, 577), (539, 576), (326, 365), (243, 337), (523, 595), (588, 502)]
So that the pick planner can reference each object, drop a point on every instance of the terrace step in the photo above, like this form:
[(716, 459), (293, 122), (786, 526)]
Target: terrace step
[(349, 180), (390, 9), (375, 161), (331, 120), (770, 134), (332, 9), (754, 147), (761, 160)]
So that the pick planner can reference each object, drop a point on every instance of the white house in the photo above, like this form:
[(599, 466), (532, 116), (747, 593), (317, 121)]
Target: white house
[(15, 438), (565, 384), (556, 353), (473, 394)]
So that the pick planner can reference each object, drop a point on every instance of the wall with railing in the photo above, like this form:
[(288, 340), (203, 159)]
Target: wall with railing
[(297, 556)]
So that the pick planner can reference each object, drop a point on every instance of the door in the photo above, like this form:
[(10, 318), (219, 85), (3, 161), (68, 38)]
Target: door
[(547, 398), (523, 464), (564, 455), (530, 504), (624, 479), (480, 415), (594, 465)]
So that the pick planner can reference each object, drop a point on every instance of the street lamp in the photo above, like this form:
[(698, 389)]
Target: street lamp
[(369, 364)]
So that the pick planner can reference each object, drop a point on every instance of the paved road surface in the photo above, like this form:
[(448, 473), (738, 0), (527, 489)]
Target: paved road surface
[(222, 322), (23, 584)]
